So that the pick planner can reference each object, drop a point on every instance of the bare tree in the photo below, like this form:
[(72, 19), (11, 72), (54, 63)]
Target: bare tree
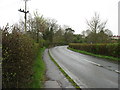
[(95, 24), (97, 32)]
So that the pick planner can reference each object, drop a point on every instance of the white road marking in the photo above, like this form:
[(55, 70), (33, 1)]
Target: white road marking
[(93, 63), (117, 71), (71, 75), (100, 65)]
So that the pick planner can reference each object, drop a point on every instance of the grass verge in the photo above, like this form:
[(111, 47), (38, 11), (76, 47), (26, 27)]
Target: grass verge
[(64, 73), (96, 55), (39, 69)]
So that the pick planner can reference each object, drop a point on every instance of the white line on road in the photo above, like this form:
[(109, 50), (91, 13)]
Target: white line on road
[(117, 71), (71, 75), (93, 63), (100, 65)]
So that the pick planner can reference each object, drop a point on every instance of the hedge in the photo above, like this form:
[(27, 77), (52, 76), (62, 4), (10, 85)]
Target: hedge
[(101, 49), (18, 53)]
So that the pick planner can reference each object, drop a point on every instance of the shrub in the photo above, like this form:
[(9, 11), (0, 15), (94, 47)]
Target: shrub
[(19, 51)]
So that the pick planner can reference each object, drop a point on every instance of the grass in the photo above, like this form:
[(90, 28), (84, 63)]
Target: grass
[(39, 69), (64, 73), (96, 55)]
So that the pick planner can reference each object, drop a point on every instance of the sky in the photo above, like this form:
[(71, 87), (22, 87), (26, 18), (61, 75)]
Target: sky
[(73, 13)]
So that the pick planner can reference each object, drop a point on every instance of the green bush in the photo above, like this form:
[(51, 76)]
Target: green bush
[(101, 49), (18, 52)]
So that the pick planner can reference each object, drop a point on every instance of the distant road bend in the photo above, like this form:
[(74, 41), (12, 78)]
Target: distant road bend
[(87, 71)]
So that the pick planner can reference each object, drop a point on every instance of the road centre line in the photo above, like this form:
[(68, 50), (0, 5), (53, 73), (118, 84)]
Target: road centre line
[(101, 65), (93, 63), (117, 71)]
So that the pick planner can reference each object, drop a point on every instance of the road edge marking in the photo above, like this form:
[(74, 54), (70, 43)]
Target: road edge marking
[(72, 76)]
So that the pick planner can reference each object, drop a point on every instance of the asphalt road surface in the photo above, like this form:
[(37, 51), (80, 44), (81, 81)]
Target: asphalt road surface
[(87, 71)]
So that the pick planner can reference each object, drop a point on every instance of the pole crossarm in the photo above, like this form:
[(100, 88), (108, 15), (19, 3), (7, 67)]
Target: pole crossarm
[(25, 12)]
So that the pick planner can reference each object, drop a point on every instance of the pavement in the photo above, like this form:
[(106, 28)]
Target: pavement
[(55, 78), (87, 71)]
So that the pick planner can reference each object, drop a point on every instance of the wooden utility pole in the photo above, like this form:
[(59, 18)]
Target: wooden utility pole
[(25, 12)]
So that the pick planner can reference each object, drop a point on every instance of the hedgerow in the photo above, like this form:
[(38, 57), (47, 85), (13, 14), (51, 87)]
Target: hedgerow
[(18, 52), (101, 49)]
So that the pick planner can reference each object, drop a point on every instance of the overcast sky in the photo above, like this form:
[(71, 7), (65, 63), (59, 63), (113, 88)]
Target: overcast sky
[(67, 12)]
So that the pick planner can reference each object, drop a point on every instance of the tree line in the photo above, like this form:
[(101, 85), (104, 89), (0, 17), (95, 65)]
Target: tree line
[(47, 32)]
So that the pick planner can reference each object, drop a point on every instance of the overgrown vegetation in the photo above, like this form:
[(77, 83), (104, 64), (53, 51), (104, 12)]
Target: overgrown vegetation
[(110, 51), (22, 65), (18, 52)]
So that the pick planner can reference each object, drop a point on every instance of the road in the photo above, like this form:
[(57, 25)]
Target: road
[(87, 71)]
